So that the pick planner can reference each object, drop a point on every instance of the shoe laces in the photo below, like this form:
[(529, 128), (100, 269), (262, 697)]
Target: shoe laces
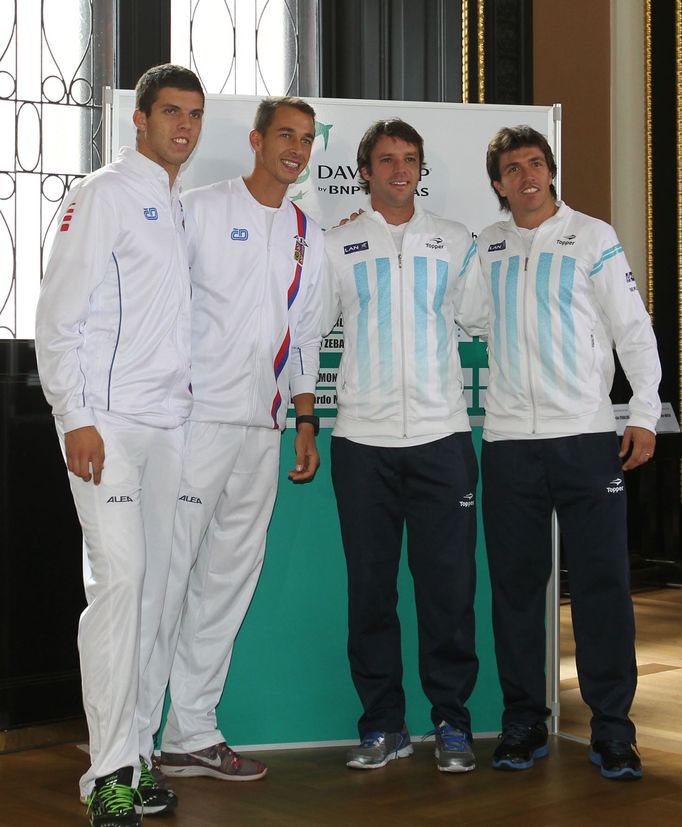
[(515, 734), (371, 739), (114, 798), (225, 751), (146, 777), (453, 739), (620, 749)]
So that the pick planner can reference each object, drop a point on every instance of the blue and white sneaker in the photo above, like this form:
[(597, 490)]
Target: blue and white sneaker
[(617, 760), (453, 749), (378, 748)]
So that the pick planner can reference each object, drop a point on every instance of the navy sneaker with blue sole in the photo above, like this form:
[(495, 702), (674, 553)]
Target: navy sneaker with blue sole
[(616, 760), (521, 745)]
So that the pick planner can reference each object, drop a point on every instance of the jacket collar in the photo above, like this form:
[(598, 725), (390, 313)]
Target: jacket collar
[(374, 215), (246, 193), (147, 168), (560, 215)]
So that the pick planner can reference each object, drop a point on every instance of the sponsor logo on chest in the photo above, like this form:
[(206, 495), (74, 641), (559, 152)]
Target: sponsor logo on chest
[(435, 243), (358, 247)]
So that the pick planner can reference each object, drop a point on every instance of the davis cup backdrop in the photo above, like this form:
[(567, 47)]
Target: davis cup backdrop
[(289, 681)]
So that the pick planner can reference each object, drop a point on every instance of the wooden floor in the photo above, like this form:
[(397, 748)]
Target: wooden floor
[(313, 787), (38, 788), (657, 711)]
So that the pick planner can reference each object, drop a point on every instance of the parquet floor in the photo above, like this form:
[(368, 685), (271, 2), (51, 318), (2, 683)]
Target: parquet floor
[(657, 711), (312, 787)]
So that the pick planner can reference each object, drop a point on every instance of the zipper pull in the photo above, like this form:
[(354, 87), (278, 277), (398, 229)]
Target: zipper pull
[(525, 265), (400, 261)]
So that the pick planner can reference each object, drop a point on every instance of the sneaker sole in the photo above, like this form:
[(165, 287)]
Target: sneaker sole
[(624, 774), (508, 764), (400, 753), (155, 810), (456, 767), (195, 770)]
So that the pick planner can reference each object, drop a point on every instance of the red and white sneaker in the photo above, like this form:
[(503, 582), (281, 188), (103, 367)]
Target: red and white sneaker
[(218, 761)]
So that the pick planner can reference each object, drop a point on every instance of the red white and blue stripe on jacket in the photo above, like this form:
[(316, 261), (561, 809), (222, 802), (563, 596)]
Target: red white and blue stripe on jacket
[(283, 351)]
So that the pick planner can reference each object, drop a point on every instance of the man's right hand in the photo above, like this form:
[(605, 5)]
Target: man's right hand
[(84, 448), (351, 217)]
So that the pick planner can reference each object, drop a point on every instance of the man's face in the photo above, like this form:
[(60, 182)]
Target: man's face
[(395, 173), (284, 150), (170, 132), (525, 182)]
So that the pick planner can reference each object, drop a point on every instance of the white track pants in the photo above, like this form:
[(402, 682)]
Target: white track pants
[(228, 490), (127, 524)]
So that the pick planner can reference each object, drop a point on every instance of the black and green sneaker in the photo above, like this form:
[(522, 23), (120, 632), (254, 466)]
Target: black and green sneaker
[(112, 802), (155, 792)]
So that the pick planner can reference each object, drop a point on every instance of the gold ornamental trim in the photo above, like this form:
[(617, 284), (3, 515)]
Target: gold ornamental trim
[(481, 51), (678, 87), (465, 51), (649, 160)]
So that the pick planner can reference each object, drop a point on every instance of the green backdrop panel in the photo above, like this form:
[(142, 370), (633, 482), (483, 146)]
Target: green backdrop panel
[(289, 680)]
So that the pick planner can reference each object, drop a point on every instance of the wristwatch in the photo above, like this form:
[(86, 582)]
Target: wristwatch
[(310, 419)]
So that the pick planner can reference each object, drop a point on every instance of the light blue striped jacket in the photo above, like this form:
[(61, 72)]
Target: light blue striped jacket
[(554, 320), (400, 373)]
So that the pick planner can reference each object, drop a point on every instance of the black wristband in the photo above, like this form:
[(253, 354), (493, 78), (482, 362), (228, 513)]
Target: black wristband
[(311, 420)]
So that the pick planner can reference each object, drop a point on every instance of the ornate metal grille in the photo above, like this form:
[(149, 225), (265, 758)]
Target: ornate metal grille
[(248, 47), (52, 54)]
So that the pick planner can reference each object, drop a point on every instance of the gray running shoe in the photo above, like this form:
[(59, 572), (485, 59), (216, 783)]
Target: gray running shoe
[(378, 748), (218, 761), (453, 749)]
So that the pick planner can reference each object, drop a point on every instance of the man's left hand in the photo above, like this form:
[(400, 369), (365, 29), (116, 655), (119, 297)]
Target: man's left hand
[(640, 444), (307, 457)]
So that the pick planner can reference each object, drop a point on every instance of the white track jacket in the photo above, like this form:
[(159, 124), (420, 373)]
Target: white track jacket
[(256, 305), (112, 328), (554, 320), (400, 373)]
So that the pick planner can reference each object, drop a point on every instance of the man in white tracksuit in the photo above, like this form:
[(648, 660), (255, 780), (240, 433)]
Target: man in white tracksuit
[(113, 348), (561, 296), (255, 261), (401, 450)]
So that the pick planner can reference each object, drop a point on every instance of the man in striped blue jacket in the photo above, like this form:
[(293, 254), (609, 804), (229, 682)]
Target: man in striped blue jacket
[(561, 296), (401, 450)]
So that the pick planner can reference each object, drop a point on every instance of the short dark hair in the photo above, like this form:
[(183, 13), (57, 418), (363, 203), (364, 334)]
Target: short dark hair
[(268, 106), (508, 139), (159, 77), (393, 128)]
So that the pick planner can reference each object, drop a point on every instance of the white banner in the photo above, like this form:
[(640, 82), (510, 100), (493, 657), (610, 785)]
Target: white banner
[(454, 181)]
